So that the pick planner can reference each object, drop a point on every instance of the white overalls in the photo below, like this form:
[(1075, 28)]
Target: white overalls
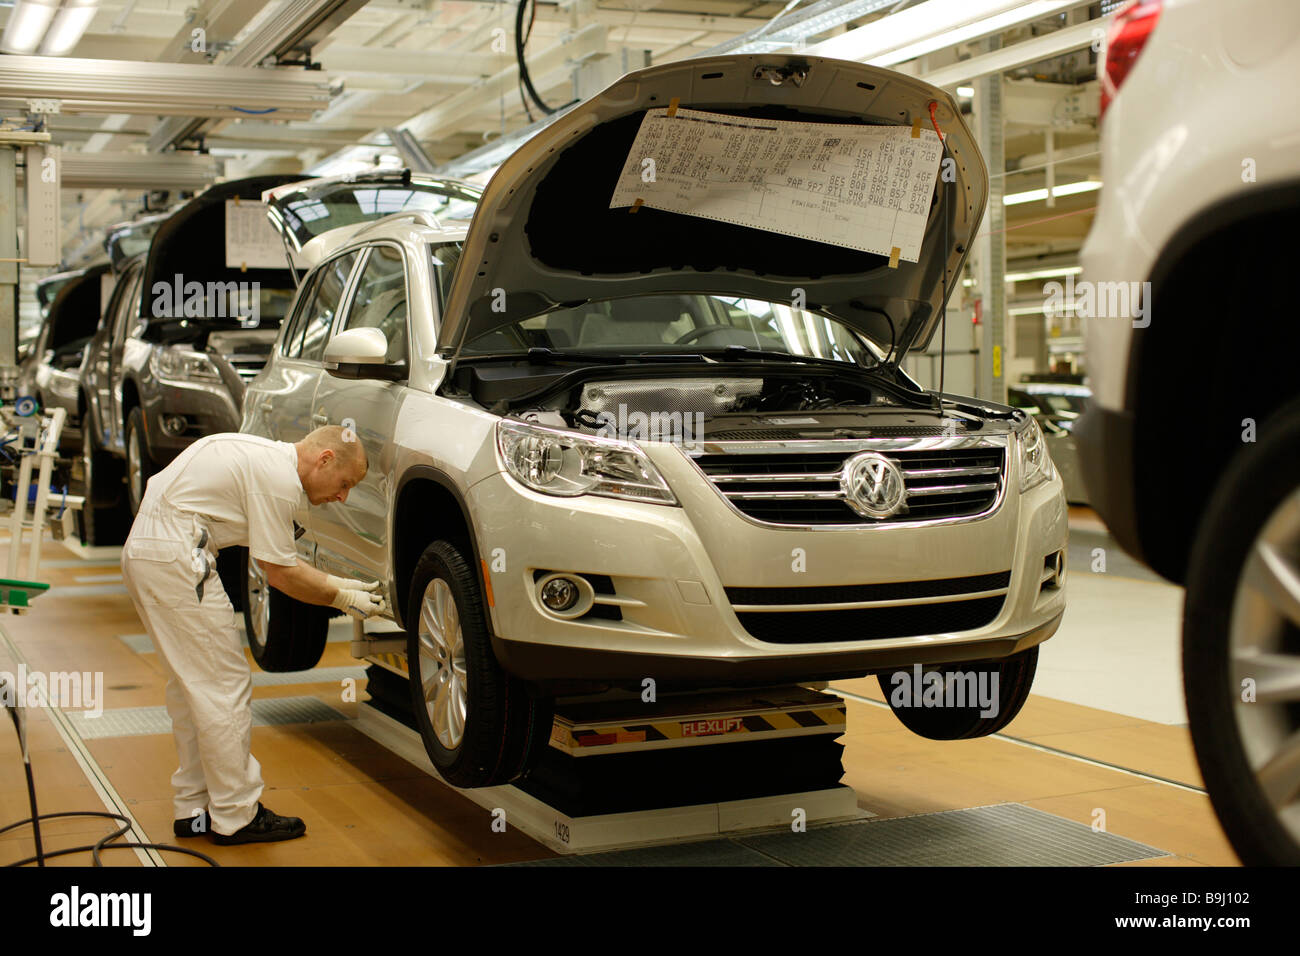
[(169, 566)]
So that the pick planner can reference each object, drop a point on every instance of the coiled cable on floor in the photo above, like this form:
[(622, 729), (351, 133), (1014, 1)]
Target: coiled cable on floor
[(103, 843)]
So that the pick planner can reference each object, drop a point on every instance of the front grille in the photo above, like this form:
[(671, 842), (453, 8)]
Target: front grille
[(803, 488), (870, 624), (248, 370), (849, 593)]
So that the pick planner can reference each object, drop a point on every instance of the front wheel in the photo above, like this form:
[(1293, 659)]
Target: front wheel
[(960, 701), (1241, 647), (104, 518), (139, 467), (480, 725)]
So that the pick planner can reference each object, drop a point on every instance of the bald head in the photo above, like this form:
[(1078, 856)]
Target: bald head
[(331, 462)]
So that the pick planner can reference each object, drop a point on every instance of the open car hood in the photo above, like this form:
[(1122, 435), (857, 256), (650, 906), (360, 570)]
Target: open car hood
[(545, 232)]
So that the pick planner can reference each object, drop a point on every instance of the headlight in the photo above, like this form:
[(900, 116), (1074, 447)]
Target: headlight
[(1035, 463), (561, 463), (182, 364)]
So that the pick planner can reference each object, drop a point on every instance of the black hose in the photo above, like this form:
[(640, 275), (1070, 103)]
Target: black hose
[(520, 39)]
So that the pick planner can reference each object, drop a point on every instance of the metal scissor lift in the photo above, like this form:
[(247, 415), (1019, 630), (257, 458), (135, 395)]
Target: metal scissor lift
[(620, 772)]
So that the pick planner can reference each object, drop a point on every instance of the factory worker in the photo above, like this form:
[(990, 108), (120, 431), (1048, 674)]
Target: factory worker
[(224, 490)]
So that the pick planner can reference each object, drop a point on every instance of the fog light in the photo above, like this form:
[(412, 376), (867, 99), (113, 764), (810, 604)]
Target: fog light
[(174, 424), (559, 594)]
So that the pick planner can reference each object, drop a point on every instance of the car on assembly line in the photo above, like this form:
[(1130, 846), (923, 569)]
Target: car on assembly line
[(187, 330), (1194, 461), (50, 373), (820, 516)]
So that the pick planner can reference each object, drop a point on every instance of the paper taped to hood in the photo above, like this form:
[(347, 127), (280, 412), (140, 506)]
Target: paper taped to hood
[(864, 187)]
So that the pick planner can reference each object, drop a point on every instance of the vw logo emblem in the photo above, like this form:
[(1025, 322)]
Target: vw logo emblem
[(872, 485)]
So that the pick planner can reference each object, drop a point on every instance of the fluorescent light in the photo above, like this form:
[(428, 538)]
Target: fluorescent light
[(931, 26), (26, 26), (68, 26), (973, 31), (1040, 309), (1066, 189), (1043, 273), (966, 91)]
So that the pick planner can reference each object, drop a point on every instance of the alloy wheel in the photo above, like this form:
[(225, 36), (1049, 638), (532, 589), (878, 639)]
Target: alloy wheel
[(259, 602), (442, 664), (135, 469), (1264, 644)]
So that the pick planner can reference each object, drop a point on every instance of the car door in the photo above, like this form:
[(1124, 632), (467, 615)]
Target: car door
[(280, 406), (352, 537), (104, 356)]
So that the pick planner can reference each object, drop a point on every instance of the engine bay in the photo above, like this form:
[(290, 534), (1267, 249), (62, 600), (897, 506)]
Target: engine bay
[(773, 405)]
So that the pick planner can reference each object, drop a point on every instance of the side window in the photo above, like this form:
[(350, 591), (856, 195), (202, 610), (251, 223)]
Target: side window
[(444, 257), (380, 299), (291, 343), (319, 315), (127, 318)]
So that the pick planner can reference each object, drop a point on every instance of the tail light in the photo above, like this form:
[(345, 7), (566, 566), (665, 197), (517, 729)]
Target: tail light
[(1128, 34)]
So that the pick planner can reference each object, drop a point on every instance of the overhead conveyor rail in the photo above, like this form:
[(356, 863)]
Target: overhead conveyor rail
[(163, 89)]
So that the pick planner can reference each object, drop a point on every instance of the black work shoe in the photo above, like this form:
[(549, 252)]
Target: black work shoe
[(197, 825), (266, 827)]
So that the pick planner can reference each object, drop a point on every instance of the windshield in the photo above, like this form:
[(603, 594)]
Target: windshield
[(310, 212), (672, 323)]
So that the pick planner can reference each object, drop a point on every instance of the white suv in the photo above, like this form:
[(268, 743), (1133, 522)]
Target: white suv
[(606, 449), (1191, 444)]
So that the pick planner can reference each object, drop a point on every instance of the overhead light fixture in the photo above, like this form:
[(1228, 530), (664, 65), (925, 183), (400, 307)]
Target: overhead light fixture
[(46, 27), (1043, 273), (966, 91), (931, 26), (1066, 189), (69, 25), (26, 26)]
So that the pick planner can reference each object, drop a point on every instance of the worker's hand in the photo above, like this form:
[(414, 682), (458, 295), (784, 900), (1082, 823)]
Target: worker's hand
[(350, 584), (361, 605)]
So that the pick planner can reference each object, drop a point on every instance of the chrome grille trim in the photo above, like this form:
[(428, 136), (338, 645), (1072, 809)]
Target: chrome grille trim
[(807, 482)]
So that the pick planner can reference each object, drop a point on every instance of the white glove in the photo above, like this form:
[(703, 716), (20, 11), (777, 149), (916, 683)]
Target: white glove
[(351, 584), (361, 605)]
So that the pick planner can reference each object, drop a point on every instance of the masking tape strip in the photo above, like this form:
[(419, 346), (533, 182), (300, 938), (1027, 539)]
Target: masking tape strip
[(916, 128), (894, 253), (636, 205), (672, 107)]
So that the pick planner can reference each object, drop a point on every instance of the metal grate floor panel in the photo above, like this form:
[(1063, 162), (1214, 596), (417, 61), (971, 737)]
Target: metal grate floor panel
[(1008, 834), (135, 721)]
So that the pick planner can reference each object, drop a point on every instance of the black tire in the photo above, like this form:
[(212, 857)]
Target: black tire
[(1258, 480), (1015, 677), (104, 518), (295, 632), (507, 724), (137, 481)]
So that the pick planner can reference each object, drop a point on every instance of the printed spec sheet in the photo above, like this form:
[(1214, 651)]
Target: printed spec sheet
[(864, 187)]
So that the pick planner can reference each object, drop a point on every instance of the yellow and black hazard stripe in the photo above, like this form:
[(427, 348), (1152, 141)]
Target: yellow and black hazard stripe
[(830, 716)]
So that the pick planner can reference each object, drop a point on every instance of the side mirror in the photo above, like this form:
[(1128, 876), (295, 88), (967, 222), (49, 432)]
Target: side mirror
[(357, 347), (360, 353)]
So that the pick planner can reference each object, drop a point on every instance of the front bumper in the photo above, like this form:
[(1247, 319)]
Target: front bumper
[(208, 409), (670, 568)]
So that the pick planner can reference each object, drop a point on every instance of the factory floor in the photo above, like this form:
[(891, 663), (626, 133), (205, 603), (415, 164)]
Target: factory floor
[(1101, 746)]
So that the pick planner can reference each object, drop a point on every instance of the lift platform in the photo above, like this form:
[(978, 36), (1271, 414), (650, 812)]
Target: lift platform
[(621, 772)]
